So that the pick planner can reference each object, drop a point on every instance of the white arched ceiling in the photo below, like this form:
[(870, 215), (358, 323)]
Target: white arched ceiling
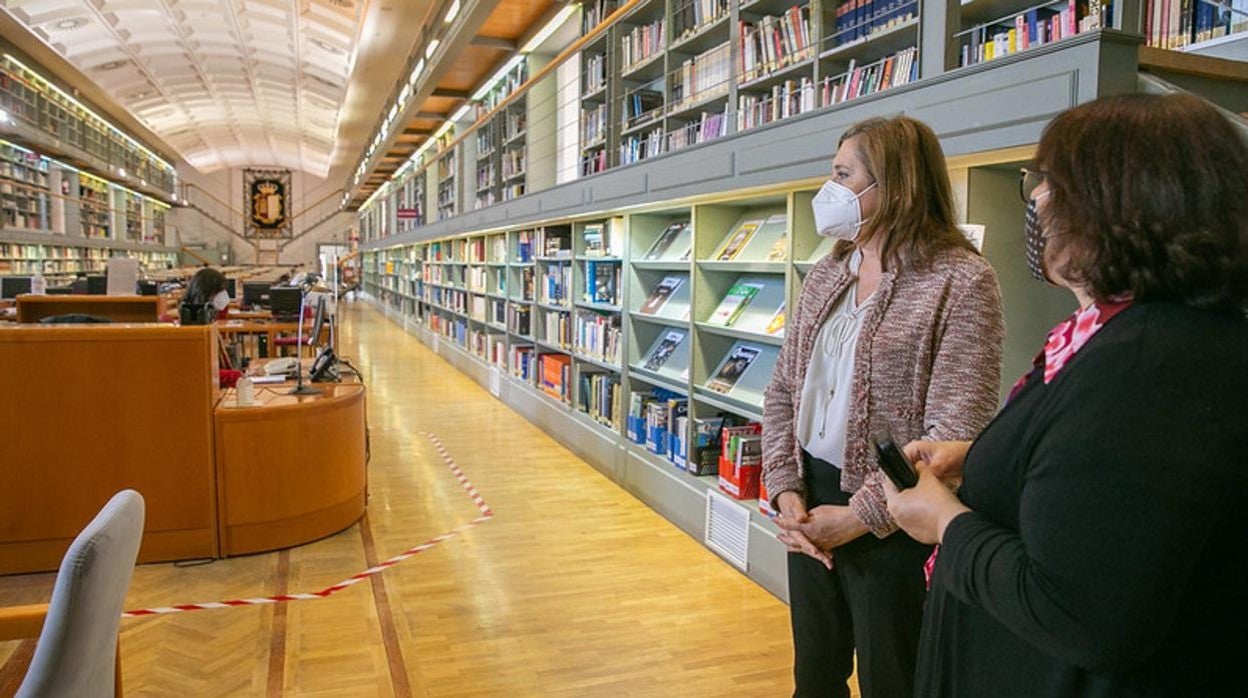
[(227, 83)]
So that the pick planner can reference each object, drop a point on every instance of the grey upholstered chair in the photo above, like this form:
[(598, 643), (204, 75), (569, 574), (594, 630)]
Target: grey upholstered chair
[(77, 654)]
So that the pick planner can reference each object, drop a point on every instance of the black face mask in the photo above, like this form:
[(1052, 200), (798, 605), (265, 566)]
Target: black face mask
[(1033, 237)]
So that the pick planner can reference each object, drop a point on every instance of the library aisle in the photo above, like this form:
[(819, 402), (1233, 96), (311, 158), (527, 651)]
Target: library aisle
[(574, 588)]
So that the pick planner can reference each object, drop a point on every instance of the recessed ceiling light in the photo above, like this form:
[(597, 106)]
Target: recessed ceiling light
[(71, 23), (142, 95), (324, 45), (111, 65)]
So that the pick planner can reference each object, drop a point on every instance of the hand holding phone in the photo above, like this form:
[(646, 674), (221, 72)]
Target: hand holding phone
[(895, 464)]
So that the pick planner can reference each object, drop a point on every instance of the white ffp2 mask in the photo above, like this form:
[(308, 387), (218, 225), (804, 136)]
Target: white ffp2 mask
[(837, 211), (221, 301)]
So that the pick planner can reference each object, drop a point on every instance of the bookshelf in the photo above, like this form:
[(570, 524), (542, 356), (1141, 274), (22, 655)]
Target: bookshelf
[(23, 189), (32, 100)]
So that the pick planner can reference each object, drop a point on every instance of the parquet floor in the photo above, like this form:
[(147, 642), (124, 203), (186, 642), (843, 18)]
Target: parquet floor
[(575, 588)]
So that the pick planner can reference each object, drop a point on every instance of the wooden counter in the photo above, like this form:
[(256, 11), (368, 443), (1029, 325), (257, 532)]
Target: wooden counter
[(290, 469), (32, 308), (92, 409)]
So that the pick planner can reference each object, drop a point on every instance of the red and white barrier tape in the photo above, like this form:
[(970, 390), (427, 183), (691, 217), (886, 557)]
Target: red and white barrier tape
[(486, 515)]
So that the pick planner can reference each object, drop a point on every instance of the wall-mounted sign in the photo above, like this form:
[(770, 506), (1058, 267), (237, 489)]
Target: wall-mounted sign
[(266, 195)]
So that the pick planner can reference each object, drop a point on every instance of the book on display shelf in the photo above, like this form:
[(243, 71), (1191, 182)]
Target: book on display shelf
[(736, 240), (663, 349), (731, 307), (776, 325), (732, 368), (674, 243), (661, 294)]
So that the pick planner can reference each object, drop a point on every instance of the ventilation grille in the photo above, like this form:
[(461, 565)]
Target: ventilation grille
[(728, 529)]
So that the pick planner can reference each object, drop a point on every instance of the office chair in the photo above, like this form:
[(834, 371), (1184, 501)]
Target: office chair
[(77, 652)]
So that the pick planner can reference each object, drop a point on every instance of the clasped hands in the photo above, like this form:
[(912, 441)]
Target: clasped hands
[(922, 511)]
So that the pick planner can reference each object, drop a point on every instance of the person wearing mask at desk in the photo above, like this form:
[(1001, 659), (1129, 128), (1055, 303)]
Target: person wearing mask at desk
[(1098, 545), (206, 297), (897, 330)]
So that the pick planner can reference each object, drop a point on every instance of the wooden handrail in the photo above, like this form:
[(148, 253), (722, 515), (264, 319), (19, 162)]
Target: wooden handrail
[(186, 250), (1192, 64)]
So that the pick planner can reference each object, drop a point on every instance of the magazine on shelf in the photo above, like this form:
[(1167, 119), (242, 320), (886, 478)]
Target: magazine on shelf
[(674, 243), (663, 349), (737, 239), (731, 370), (661, 293), (776, 326), (779, 249), (734, 303)]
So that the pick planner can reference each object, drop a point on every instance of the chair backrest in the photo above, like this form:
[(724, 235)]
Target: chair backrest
[(75, 655)]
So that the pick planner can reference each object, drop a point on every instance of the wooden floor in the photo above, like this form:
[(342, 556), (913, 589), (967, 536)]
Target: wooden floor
[(574, 588)]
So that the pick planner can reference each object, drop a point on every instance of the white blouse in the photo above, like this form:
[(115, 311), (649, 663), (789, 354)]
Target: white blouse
[(824, 412)]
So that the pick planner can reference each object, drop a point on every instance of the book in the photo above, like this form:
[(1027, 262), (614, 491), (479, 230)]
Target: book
[(734, 303), (595, 243), (732, 368), (661, 293), (602, 282), (663, 349), (665, 246), (736, 240), (776, 325)]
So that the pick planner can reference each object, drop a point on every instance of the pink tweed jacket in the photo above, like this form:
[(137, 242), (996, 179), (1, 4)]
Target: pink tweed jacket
[(927, 366)]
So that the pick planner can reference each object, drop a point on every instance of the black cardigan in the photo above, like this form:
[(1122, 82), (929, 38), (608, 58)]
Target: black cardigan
[(1107, 553)]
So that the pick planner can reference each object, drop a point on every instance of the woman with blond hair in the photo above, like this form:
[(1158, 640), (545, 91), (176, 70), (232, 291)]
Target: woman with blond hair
[(897, 331)]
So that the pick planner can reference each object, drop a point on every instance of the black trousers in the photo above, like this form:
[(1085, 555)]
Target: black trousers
[(871, 600)]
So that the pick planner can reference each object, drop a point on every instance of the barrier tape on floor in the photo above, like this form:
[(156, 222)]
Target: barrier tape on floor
[(473, 494)]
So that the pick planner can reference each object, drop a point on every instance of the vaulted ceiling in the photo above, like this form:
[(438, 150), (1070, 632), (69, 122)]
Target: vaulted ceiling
[(229, 83)]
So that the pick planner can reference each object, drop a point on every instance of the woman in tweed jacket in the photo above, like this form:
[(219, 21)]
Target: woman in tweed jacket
[(898, 331)]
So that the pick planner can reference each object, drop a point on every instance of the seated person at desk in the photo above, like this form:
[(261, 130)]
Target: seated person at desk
[(205, 301), (206, 298)]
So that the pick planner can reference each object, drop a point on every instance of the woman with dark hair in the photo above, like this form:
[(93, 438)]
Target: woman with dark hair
[(898, 330), (207, 286), (1098, 545)]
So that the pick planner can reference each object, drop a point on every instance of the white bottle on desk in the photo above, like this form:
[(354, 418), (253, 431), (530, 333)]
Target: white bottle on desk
[(246, 392)]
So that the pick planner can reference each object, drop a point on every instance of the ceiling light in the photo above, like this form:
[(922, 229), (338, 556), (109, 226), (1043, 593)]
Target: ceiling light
[(540, 37), (72, 23), (416, 71), (324, 45), (121, 171), (433, 46), (452, 11), (111, 65)]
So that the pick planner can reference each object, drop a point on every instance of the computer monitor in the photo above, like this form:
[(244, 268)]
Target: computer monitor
[(148, 288), (284, 301), (255, 295), (231, 287), (11, 286), (97, 284)]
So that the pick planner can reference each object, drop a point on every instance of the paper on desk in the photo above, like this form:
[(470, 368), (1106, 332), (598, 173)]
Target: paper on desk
[(268, 379)]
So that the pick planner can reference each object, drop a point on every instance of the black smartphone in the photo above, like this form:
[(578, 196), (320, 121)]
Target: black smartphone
[(895, 464)]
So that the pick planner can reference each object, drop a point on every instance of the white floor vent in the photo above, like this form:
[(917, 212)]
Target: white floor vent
[(728, 529)]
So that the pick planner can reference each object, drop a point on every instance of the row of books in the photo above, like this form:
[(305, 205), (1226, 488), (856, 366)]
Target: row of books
[(598, 336), (453, 328), (690, 16), (477, 308), (599, 397), (593, 72), (594, 11), (707, 128), (486, 174), (772, 43), (593, 125), (485, 140), (1174, 24), (558, 329), (516, 121), (554, 376), (519, 319), (639, 147), (602, 283), (555, 241), (528, 283), (449, 299), (594, 162), (642, 43), (790, 98), (485, 198), (740, 465), (524, 246), (858, 81), (1035, 27), (514, 162), (513, 191), (490, 347), (701, 77), (656, 418), (556, 285), (503, 89), (524, 362), (641, 105), (601, 238), (860, 19), (497, 311), (498, 249)]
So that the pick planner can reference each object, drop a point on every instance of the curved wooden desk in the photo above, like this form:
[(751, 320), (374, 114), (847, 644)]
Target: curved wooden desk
[(291, 469)]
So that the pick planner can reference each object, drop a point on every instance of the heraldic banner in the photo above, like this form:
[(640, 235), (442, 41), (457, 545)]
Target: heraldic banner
[(266, 199)]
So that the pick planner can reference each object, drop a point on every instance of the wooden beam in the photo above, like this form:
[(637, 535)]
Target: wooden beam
[(495, 42), (450, 94)]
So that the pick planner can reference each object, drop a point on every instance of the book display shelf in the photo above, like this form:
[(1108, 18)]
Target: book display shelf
[(641, 327)]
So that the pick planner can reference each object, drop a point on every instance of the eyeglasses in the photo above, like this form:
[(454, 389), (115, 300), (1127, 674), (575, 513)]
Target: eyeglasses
[(1028, 181)]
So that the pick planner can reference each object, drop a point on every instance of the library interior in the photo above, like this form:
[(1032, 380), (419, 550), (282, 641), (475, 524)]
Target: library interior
[(616, 347)]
